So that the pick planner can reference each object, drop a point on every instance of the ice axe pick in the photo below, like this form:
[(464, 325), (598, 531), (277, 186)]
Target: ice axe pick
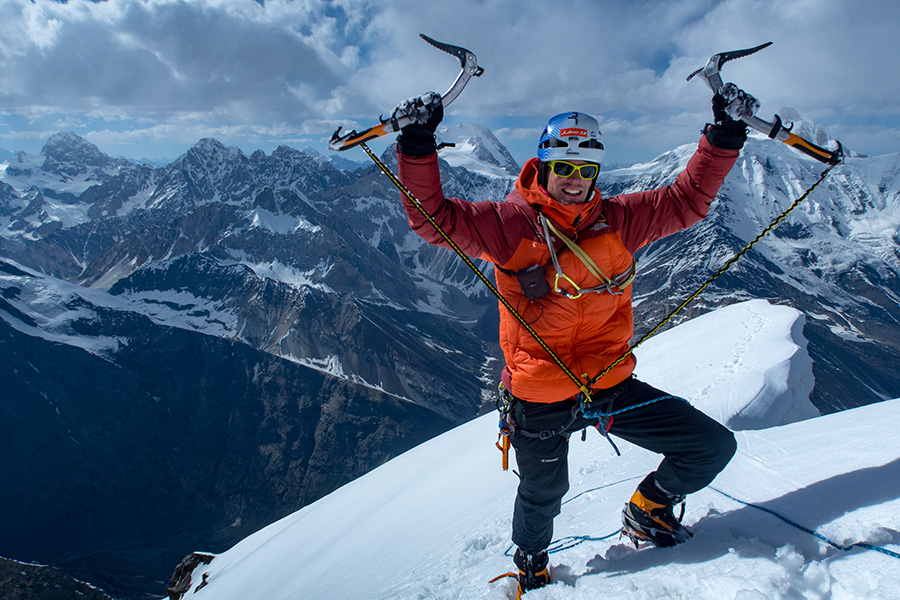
[(775, 130), (469, 68)]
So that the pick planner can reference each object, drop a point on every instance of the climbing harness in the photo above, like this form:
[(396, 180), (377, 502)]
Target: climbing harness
[(505, 402)]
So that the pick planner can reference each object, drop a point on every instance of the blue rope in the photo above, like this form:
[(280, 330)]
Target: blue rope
[(847, 548), (605, 419), (576, 540), (580, 494), (569, 542), (598, 414)]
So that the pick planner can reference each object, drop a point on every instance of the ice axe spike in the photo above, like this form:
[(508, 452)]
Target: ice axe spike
[(775, 130), (468, 68), (710, 72), (468, 63)]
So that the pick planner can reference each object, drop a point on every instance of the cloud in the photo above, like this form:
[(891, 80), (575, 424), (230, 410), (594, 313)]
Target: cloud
[(308, 65), (827, 53), (234, 60)]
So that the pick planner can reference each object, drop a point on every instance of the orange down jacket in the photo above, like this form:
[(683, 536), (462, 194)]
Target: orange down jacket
[(592, 331)]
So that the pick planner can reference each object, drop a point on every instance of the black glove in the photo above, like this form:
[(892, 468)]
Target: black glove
[(427, 111), (729, 107)]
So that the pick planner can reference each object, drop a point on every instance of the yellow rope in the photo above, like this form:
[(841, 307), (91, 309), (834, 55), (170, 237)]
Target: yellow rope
[(724, 268), (409, 195), (585, 388)]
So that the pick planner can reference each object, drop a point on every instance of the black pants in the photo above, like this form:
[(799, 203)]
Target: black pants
[(695, 448)]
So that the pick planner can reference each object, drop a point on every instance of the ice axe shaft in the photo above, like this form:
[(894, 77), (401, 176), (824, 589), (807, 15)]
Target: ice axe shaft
[(468, 68), (775, 130)]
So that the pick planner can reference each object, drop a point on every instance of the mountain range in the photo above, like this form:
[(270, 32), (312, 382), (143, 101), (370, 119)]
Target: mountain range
[(193, 351)]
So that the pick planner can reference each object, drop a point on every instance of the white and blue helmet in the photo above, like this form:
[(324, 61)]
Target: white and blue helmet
[(571, 136)]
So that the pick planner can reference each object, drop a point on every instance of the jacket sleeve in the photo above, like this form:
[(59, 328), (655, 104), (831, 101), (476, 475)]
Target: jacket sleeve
[(486, 230), (643, 217)]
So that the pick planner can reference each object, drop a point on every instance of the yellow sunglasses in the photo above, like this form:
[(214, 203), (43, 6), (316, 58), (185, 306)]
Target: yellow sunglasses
[(562, 168)]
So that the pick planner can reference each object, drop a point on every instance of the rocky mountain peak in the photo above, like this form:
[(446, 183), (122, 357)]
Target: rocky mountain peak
[(68, 153), (809, 129), (477, 149), (212, 150)]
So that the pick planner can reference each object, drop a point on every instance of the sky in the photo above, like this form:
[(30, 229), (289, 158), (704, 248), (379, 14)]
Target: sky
[(149, 78)]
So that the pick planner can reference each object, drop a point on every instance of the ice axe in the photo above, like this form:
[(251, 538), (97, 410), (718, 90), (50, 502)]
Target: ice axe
[(776, 130), (469, 69)]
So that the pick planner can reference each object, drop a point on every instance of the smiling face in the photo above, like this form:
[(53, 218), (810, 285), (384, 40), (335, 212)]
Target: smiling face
[(569, 190)]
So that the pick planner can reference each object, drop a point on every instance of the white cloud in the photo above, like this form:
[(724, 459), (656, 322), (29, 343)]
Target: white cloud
[(139, 59), (313, 63)]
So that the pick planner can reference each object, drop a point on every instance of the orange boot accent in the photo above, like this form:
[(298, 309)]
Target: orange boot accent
[(646, 521)]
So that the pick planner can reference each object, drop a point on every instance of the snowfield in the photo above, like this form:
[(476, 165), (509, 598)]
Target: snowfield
[(434, 522)]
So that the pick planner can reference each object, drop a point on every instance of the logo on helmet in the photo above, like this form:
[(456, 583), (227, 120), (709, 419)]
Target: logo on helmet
[(573, 131)]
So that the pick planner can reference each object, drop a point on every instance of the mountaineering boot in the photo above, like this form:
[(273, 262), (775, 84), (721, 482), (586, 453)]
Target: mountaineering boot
[(648, 516), (533, 571)]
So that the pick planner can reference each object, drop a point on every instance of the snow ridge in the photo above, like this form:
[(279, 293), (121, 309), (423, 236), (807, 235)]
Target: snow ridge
[(433, 523)]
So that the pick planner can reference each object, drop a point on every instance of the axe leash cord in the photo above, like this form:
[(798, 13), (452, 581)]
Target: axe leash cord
[(585, 400)]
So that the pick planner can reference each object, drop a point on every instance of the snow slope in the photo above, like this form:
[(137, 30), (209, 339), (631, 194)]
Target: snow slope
[(434, 522)]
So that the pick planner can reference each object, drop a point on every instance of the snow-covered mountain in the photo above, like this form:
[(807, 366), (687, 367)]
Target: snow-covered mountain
[(288, 237), (282, 299), (475, 148), (434, 522)]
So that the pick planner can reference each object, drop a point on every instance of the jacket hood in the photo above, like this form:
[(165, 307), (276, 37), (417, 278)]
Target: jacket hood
[(571, 215)]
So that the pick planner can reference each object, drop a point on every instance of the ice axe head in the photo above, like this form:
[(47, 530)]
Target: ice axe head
[(468, 68), (710, 73)]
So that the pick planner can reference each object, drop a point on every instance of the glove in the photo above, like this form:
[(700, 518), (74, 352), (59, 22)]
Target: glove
[(729, 107), (426, 111)]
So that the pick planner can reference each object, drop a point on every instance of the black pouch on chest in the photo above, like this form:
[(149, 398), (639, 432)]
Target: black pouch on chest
[(534, 284)]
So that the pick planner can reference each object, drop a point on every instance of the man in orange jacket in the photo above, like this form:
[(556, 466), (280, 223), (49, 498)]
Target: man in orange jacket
[(581, 307)]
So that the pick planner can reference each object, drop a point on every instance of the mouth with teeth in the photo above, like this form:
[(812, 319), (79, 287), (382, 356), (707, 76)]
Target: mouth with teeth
[(569, 192)]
